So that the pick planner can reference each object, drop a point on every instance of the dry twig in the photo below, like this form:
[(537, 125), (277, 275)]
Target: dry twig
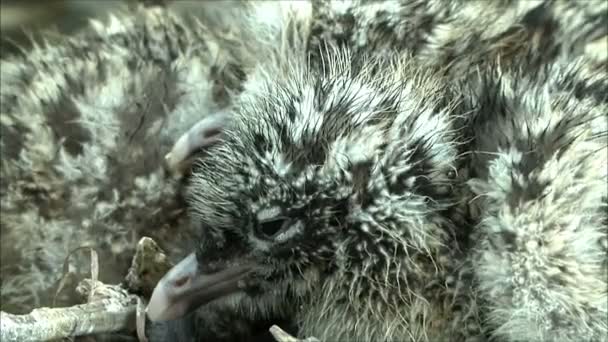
[(108, 308), (111, 309)]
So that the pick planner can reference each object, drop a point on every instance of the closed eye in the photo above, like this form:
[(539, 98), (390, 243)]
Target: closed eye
[(270, 228)]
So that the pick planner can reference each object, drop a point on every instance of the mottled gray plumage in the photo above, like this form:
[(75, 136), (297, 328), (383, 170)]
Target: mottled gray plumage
[(409, 170), (540, 170), (457, 36), (356, 163), (86, 122)]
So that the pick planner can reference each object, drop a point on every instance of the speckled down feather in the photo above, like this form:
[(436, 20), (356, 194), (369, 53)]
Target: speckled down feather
[(85, 125), (539, 170), (289, 120), (86, 121)]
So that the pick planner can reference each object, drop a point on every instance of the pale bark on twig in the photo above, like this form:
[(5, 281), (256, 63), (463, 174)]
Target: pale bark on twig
[(112, 309), (109, 308)]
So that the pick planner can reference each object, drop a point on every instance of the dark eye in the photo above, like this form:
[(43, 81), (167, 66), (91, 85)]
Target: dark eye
[(270, 228)]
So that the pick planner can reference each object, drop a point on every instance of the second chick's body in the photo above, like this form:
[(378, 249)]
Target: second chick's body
[(331, 200), (539, 169)]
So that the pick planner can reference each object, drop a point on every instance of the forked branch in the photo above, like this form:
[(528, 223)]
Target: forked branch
[(107, 308)]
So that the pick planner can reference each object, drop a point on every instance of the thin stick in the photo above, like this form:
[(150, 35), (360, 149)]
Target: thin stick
[(111, 310)]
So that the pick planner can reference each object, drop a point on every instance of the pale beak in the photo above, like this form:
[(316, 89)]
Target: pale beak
[(184, 289)]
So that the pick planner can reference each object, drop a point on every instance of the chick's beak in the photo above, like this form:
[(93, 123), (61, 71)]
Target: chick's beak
[(184, 288)]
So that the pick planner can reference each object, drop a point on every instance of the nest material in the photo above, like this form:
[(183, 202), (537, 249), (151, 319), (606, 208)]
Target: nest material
[(86, 122), (107, 308)]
